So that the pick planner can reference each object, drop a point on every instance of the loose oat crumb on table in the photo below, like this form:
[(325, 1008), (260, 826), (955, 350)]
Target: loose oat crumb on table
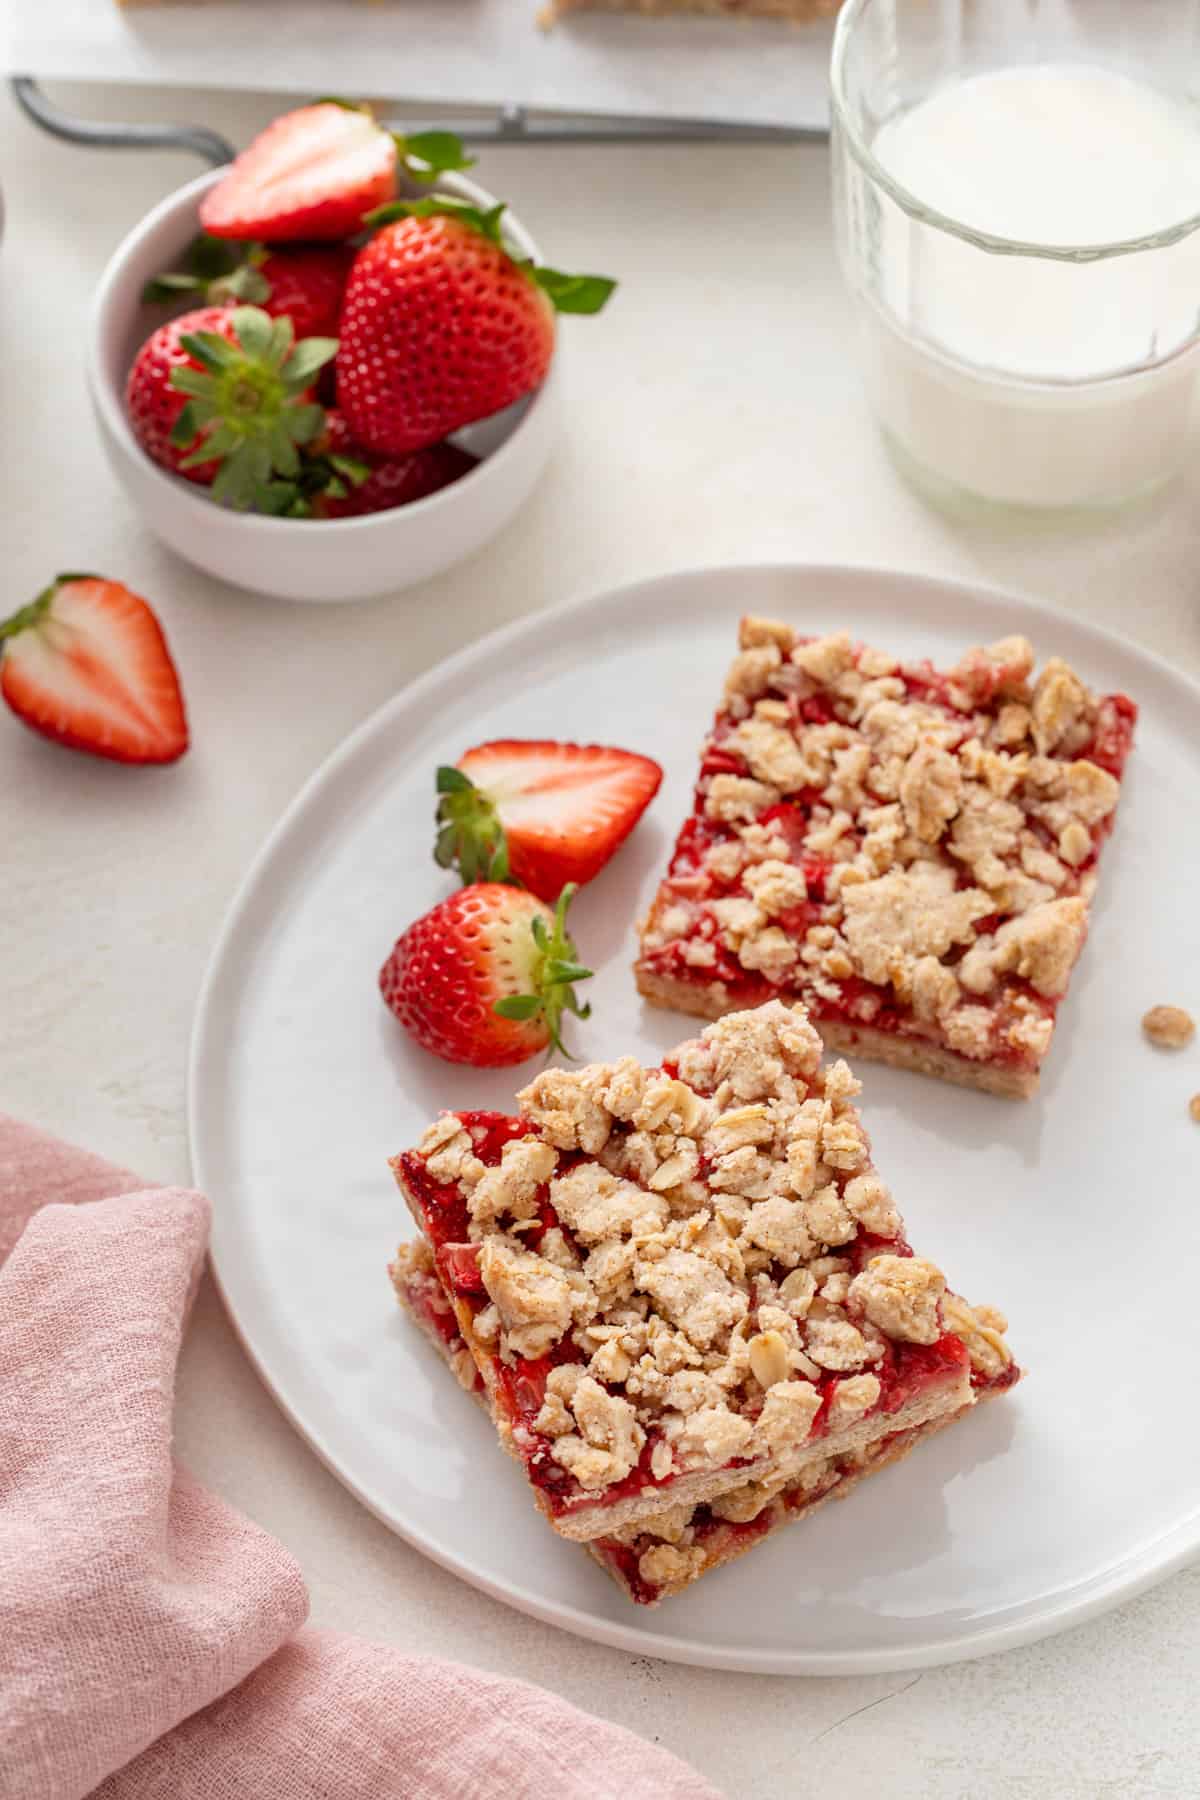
[(1169, 1027), (1194, 1107)]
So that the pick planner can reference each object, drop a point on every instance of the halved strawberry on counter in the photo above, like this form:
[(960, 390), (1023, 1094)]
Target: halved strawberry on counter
[(485, 977), (86, 664), (316, 172), (538, 812)]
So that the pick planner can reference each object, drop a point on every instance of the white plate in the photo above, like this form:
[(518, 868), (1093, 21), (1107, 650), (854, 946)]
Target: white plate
[(1077, 1213)]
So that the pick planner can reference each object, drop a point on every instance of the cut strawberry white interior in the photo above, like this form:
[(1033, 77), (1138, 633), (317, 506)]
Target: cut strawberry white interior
[(687, 1287)]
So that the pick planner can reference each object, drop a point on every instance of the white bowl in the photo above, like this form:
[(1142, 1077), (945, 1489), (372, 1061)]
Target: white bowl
[(303, 559)]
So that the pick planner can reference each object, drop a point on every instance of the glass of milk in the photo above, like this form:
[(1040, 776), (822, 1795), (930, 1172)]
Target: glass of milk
[(1017, 204)]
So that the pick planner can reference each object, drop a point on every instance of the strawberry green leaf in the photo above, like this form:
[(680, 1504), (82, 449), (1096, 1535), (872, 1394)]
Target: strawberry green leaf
[(245, 283), (428, 154), (278, 499), (282, 452), (435, 206), (304, 423), (279, 346), (555, 970), (206, 260), (192, 381), (248, 408), (452, 781), (210, 350), (253, 329), (574, 293), (470, 834), (518, 1006), (567, 972), (169, 285), (27, 618), (185, 427), (307, 358), (354, 471)]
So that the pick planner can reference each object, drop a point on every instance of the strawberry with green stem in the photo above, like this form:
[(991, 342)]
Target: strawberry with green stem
[(540, 813), (486, 976), (303, 283), (86, 665), (225, 398), (315, 173), (443, 324)]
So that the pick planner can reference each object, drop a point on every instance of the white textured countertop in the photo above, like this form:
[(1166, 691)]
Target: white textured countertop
[(716, 418)]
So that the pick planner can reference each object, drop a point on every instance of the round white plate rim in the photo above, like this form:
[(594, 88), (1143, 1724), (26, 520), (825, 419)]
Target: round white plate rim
[(1142, 1568)]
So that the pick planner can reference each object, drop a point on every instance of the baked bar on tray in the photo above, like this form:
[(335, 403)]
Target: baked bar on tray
[(666, 1554), (682, 1282), (910, 852), (797, 11)]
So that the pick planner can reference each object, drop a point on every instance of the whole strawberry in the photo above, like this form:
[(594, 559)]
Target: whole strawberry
[(360, 482), (486, 976), (441, 325), (223, 397), (303, 284)]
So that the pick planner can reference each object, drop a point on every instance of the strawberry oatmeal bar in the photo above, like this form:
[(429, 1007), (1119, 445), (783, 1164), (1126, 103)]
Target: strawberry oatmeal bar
[(689, 1295), (910, 852), (665, 1554)]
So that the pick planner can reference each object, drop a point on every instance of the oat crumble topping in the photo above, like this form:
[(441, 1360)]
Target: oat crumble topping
[(905, 849), (1170, 1027), (704, 1253)]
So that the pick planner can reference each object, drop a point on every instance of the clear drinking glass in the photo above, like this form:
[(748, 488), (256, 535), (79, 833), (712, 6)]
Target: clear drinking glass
[(1017, 203)]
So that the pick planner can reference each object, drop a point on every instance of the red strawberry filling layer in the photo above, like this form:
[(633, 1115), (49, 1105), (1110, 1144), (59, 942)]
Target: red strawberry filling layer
[(518, 1386), (856, 1002)]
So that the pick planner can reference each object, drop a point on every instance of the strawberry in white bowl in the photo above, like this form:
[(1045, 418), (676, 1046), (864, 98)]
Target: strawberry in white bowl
[(299, 212)]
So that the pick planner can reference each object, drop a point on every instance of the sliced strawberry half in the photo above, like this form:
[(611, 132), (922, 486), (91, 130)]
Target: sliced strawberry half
[(87, 665), (540, 813), (315, 173)]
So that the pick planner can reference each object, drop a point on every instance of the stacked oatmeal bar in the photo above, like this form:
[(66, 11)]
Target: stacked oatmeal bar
[(686, 1296)]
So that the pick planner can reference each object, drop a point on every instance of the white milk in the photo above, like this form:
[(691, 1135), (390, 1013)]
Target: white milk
[(1028, 380)]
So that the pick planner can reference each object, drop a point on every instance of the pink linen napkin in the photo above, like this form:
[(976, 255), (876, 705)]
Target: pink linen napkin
[(149, 1636)]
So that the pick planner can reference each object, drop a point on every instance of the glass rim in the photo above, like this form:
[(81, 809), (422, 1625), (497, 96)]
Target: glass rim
[(991, 242)]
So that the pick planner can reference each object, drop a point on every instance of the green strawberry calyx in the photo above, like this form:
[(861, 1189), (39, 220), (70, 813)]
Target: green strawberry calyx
[(428, 154), (34, 615), (217, 269), (249, 409), (470, 836), (567, 293), (556, 969), (424, 154)]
